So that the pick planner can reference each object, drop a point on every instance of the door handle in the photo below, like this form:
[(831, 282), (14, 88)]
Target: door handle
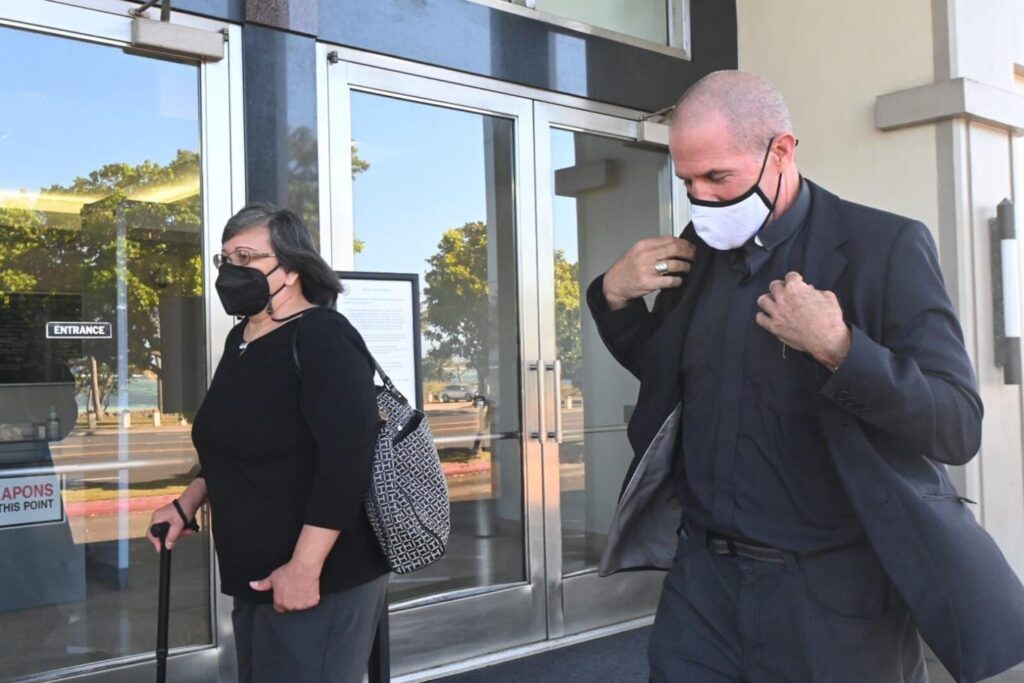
[(538, 367), (556, 368)]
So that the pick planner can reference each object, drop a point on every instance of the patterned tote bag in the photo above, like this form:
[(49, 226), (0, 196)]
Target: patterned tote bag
[(407, 501)]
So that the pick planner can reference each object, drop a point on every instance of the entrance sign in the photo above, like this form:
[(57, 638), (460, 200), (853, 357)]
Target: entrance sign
[(78, 330), (28, 501), (385, 308)]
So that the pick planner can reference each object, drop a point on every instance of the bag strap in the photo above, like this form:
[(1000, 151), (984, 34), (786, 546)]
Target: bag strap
[(388, 384)]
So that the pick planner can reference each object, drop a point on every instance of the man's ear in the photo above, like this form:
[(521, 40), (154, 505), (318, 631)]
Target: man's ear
[(784, 148)]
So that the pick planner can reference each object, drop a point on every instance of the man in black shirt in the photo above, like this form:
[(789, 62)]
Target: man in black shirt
[(803, 384), (755, 464)]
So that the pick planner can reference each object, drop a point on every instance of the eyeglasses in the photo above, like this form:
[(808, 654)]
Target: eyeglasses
[(239, 257)]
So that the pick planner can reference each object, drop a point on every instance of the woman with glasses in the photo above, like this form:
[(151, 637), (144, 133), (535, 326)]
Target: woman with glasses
[(286, 461)]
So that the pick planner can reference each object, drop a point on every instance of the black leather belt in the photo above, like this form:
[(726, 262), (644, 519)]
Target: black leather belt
[(724, 545)]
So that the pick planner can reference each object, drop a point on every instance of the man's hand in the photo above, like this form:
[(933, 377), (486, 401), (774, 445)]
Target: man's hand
[(296, 587), (806, 319), (638, 272)]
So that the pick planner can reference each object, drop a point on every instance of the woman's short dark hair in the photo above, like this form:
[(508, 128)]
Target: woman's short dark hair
[(293, 247)]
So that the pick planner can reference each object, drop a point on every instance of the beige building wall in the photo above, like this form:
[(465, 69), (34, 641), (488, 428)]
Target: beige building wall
[(830, 60), (985, 41), (946, 167)]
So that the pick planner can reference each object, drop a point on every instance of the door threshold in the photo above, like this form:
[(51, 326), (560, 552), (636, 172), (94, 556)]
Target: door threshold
[(514, 653)]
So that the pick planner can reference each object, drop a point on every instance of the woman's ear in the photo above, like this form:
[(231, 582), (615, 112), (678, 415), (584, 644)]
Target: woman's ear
[(291, 277)]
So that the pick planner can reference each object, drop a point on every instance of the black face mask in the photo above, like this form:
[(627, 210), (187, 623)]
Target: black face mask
[(245, 290)]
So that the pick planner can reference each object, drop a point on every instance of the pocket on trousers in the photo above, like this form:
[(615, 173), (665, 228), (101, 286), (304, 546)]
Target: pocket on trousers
[(847, 584)]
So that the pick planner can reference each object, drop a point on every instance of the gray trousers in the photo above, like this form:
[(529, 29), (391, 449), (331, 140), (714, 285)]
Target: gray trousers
[(329, 643), (829, 618)]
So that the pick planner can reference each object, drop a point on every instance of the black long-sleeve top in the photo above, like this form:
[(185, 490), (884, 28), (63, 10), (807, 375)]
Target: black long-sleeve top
[(279, 452)]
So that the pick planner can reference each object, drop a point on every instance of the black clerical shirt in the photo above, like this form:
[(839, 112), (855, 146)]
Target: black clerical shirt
[(753, 463)]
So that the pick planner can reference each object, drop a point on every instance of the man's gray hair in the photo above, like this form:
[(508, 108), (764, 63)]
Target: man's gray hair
[(754, 108)]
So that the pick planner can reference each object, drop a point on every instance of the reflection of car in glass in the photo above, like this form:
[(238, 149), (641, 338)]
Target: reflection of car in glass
[(456, 392)]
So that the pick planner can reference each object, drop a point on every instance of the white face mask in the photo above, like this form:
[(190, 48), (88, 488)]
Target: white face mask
[(729, 224)]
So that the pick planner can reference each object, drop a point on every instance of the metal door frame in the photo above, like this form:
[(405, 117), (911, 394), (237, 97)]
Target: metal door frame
[(582, 597), (222, 192), (488, 618), (532, 614)]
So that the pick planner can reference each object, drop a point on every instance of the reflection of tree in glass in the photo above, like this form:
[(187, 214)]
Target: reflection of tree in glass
[(74, 250), (303, 185), (456, 300), (64, 252), (303, 188), (359, 165), (567, 317), (432, 366)]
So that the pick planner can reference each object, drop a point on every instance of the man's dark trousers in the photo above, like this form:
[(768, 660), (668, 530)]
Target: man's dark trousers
[(827, 618)]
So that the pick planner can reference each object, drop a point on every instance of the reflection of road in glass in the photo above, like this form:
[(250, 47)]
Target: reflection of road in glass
[(466, 463), (571, 463), (469, 472), (162, 458), (143, 394)]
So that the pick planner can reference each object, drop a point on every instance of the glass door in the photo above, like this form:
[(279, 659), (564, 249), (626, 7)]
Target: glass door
[(435, 179), (104, 224), (598, 192), (505, 208)]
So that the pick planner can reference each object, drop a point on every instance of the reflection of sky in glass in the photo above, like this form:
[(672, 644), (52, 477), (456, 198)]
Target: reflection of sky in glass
[(563, 155), (82, 106), (426, 176)]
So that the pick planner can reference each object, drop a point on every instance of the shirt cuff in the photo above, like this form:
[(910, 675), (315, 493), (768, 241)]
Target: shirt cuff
[(854, 385), (619, 318)]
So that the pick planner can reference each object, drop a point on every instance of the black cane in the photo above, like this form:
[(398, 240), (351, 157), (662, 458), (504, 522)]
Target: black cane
[(159, 530)]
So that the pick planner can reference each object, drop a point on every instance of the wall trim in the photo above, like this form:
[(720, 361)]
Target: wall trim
[(958, 98)]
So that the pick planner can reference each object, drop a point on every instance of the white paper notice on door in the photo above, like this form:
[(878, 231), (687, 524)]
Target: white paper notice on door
[(384, 307)]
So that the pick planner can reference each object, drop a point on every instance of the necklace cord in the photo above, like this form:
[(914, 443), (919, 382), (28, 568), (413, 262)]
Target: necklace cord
[(298, 314)]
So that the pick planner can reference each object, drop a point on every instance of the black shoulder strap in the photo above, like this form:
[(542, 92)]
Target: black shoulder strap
[(379, 370)]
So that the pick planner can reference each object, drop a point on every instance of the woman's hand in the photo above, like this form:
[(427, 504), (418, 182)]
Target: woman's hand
[(167, 514), (296, 586), (191, 499)]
